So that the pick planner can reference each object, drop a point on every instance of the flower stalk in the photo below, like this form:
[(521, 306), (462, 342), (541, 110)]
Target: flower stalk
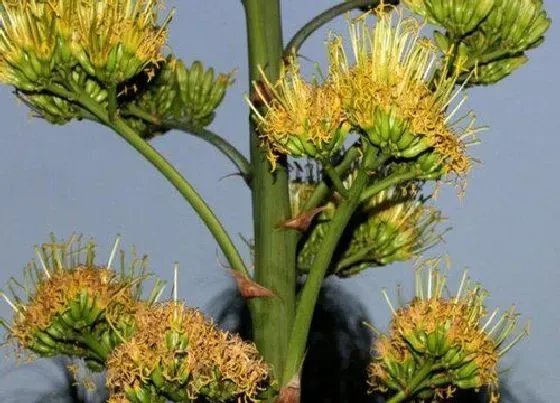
[(272, 318)]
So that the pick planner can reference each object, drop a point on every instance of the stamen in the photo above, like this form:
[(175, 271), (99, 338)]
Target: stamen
[(40, 256), (384, 291), (113, 251)]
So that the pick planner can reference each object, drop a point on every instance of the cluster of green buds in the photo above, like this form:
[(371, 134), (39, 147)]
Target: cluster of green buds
[(491, 36), (437, 344), (393, 225), (57, 110), (73, 307), (178, 355), (390, 94), (176, 94)]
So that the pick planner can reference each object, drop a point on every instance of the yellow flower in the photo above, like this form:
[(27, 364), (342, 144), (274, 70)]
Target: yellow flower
[(177, 350), (453, 338), (394, 93), (68, 300), (115, 39), (299, 118), (111, 39), (28, 35)]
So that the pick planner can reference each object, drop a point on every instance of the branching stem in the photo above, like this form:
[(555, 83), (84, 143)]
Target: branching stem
[(226, 148), (165, 168)]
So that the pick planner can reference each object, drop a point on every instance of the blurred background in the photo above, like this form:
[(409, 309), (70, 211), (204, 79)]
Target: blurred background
[(83, 178)]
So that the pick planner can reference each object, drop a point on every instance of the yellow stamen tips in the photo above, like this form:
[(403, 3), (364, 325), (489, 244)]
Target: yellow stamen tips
[(299, 118), (27, 45), (395, 92), (176, 345), (454, 339), (118, 38), (111, 40)]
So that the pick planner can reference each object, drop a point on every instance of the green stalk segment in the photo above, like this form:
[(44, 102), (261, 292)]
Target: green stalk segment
[(274, 247), (166, 169)]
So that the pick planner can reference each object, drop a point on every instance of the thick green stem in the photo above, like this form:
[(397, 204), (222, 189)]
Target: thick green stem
[(166, 169), (390, 180), (310, 292), (274, 247)]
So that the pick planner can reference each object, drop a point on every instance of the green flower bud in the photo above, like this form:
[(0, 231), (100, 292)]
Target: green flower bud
[(53, 109), (459, 17), (201, 92), (495, 71)]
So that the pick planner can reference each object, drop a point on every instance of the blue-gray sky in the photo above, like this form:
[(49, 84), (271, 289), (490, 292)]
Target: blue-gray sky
[(83, 178)]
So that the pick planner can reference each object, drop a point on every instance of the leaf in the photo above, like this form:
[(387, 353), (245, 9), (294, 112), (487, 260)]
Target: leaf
[(249, 289), (303, 221)]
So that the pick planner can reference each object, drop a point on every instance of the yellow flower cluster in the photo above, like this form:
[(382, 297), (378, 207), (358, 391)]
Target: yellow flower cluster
[(71, 306), (452, 341), (55, 296), (301, 118), (394, 225), (393, 92), (111, 40), (177, 350)]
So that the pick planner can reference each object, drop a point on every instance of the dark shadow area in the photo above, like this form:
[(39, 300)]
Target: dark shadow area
[(339, 344)]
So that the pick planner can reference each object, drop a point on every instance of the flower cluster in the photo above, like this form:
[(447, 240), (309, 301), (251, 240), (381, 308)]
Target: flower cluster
[(391, 94), (111, 40), (490, 36), (437, 344), (301, 118), (72, 306), (178, 354), (176, 93), (394, 225)]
